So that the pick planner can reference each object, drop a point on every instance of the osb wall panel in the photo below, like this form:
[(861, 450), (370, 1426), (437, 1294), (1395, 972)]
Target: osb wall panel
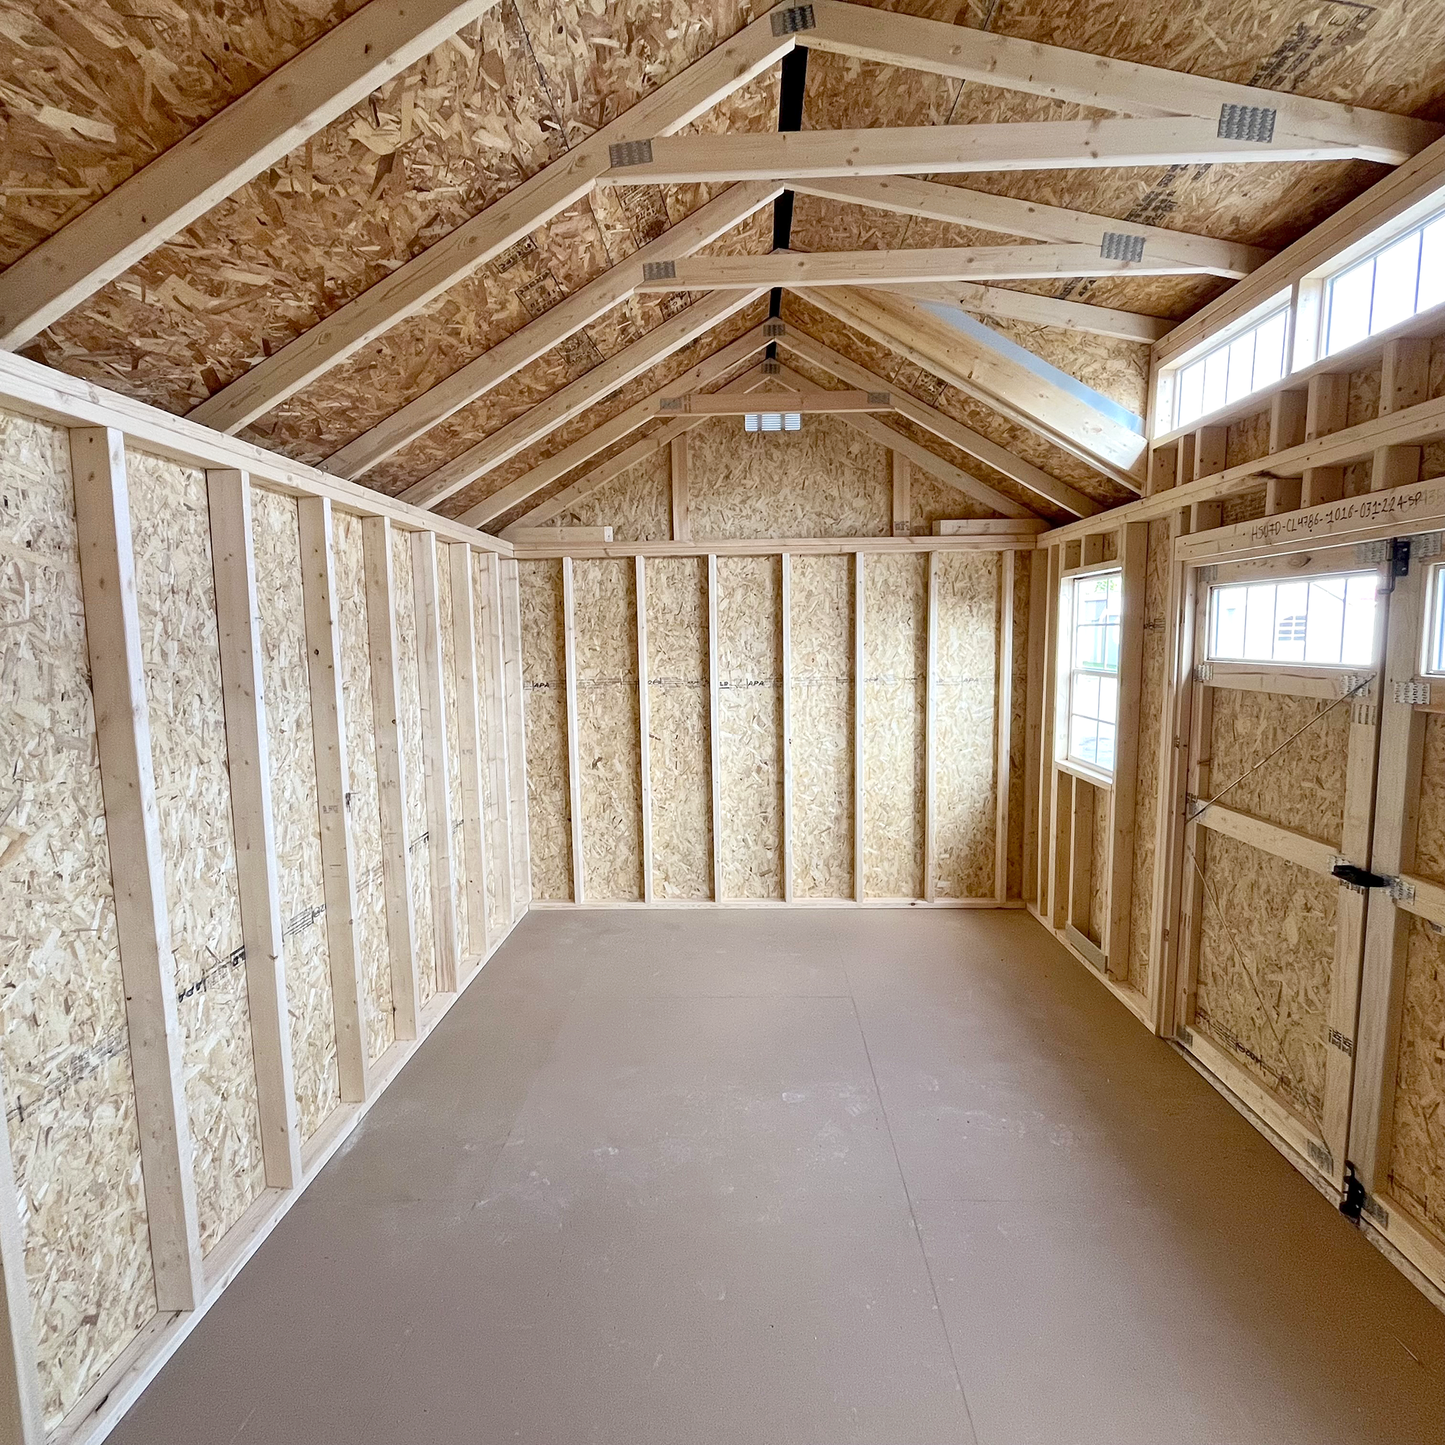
[(1417, 1157), (677, 702), (549, 809), (1430, 844), (1146, 788), (408, 703), (1303, 788), (821, 618), (65, 1047), (826, 480), (175, 593), (965, 653), (362, 785), (486, 626), (1267, 944), (750, 668), (295, 808), (467, 943), (637, 505), (895, 666), (607, 729)]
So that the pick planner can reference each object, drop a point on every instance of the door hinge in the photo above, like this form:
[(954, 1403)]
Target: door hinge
[(1355, 877), (1353, 1202)]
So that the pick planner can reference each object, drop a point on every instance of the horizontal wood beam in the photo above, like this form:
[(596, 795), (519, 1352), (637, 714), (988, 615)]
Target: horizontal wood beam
[(893, 268), (1297, 848), (714, 368), (1095, 80), (1036, 145), (1006, 215), (1040, 310), (968, 441), (1066, 420), (809, 401), (559, 408), (605, 472), (475, 242), (536, 338), (216, 159), (1023, 540)]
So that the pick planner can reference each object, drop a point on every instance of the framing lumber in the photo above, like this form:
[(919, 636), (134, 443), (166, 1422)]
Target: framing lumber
[(644, 722), (216, 159), (785, 563), (678, 489), (903, 268), (902, 494), (537, 337), (718, 365), (972, 443), (859, 729), (1003, 750), (498, 747), (22, 1416), (521, 840), (391, 776), (980, 210), (1032, 145), (930, 732), (248, 760), (814, 400), (137, 864), (1132, 558), (714, 739), (1018, 394), (574, 759), (1033, 735), (333, 792), (475, 242), (559, 408), (429, 664), (1024, 306), (1095, 80), (1024, 539), (469, 744)]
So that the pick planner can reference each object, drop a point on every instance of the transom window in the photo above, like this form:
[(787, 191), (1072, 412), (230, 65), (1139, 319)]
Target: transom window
[(1326, 621), (1234, 368), (1435, 623), (1095, 611), (1387, 287)]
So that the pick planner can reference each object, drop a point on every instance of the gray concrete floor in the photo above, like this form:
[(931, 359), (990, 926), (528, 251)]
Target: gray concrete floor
[(811, 1176)]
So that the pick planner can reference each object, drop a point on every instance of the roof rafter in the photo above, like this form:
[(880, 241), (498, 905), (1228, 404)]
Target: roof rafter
[(1030, 145), (475, 242), (220, 156), (968, 441), (551, 328), (989, 376), (714, 368), (574, 398), (1094, 80), (959, 206), (898, 268), (1042, 310)]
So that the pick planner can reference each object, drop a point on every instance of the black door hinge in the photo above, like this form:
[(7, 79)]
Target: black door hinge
[(1353, 1203), (1353, 876)]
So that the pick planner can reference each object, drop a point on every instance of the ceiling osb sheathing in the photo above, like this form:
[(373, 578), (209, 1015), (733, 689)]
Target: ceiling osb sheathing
[(95, 88)]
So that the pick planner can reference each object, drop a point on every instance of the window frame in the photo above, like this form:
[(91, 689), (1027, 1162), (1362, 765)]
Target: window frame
[(1279, 308), (1067, 672), (1432, 634), (1319, 569)]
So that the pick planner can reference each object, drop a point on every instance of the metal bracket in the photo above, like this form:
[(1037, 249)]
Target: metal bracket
[(1348, 682), (1207, 573), (775, 328), (1371, 554), (880, 398), (1203, 671), (1343, 1042), (1426, 545), (1412, 693), (1320, 1156), (1121, 246), (659, 270), (1377, 1212), (672, 403), (791, 21), (1247, 122), (772, 367), (629, 153), (1400, 890)]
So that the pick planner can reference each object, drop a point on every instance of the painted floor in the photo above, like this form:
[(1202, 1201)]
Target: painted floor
[(814, 1176)]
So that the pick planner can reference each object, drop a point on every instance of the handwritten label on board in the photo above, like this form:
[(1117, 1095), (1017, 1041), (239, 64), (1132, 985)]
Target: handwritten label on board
[(1402, 505)]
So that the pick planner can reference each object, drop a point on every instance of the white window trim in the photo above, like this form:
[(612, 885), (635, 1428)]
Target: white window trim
[(1434, 626), (1065, 673), (1269, 664)]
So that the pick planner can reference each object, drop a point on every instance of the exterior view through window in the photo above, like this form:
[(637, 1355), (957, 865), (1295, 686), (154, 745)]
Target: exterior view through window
[(1233, 369), (1095, 611), (1388, 287), (1328, 621)]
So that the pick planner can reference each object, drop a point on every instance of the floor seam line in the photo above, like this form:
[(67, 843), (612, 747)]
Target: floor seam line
[(917, 1232)]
